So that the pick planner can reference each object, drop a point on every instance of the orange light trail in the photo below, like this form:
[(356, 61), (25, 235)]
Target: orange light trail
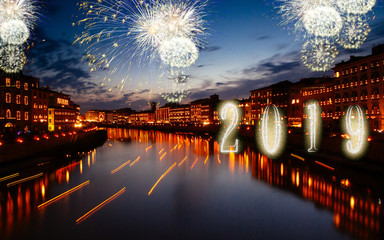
[(63, 195), (162, 176), (161, 158), (9, 177), (218, 158), (148, 148), (182, 161), (133, 163), (25, 179), (174, 148), (68, 166), (205, 162), (119, 168), (298, 157), (324, 165), (194, 163), (161, 151), (93, 210)]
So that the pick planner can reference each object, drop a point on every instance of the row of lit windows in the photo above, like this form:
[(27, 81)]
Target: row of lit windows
[(374, 111), (39, 106), (362, 98), (8, 84), (64, 121), (354, 69), (38, 117), (355, 84), (68, 113), (8, 115), (314, 92), (8, 99)]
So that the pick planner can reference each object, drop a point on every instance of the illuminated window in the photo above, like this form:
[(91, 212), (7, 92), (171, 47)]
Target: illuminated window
[(26, 86), (18, 84), (26, 100), (8, 82), (18, 115), (8, 114), (8, 98), (17, 99), (26, 116)]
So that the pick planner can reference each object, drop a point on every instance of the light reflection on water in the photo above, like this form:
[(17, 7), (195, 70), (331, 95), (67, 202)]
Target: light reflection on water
[(200, 193)]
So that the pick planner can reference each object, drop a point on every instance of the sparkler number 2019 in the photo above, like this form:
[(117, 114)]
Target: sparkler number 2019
[(271, 130)]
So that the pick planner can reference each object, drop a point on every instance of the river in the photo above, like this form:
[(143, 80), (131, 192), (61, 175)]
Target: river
[(156, 185)]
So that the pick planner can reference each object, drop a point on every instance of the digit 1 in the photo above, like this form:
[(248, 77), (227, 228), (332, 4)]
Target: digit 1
[(357, 135), (233, 119), (313, 120), (277, 129)]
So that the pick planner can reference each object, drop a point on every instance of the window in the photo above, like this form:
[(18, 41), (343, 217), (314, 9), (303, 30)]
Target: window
[(26, 86), (18, 115), (8, 98), (25, 100), (8, 114), (8, 82), (18, 84), (17, 99), (26, 115)]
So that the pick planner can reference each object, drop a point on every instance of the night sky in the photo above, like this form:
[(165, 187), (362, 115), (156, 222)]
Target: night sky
[(247, 48)]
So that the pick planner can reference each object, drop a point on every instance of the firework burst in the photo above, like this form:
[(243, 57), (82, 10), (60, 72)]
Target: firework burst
[(354, 32), (319, 54), (323, 21), (121, 33), (14, 32), (178, 52), (355, 6), (12, 58)]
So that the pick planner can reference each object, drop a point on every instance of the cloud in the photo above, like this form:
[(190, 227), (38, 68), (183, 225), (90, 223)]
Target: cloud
[(57, 63), (261, 38), (210, 49)]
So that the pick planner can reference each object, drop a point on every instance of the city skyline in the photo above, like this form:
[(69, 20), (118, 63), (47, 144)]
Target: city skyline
[(243, 51)]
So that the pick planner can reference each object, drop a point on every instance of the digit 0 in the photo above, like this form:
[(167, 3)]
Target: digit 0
[(271, 126)]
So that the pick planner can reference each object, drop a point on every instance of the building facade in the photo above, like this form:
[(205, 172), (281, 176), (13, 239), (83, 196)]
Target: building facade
[(15, 102), (62, 112), (204, 112), (276, 94), (180, 114), (360, 80)]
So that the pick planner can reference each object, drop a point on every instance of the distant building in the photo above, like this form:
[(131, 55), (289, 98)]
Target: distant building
[(142, 118), (246, 107), (40, 103), (92, 116), (360, 80), (203, 111), (276, 94), (62, 112), (320, 89), (180, 114), (162, 115)]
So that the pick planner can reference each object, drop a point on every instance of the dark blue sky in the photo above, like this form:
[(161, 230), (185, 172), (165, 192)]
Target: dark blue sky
[(247, 48)]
